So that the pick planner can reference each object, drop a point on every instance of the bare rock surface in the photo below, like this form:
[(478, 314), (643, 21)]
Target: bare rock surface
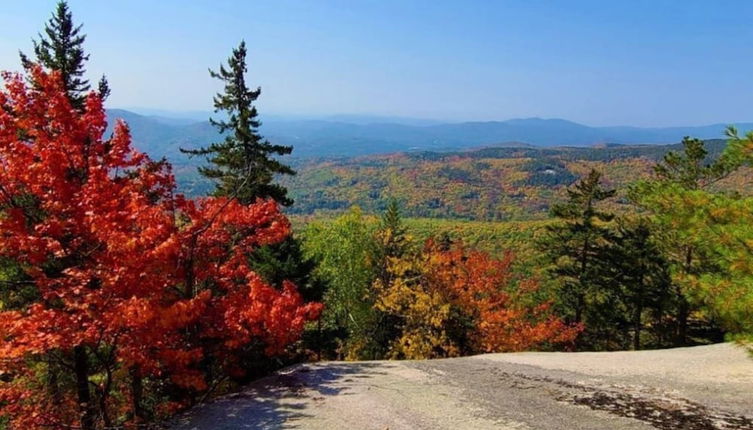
[(697, 388)]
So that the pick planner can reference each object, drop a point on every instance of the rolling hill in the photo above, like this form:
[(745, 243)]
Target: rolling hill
[(434, 170), (487, 184)]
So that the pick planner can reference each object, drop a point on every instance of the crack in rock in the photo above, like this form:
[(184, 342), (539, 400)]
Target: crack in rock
[(665, 412)]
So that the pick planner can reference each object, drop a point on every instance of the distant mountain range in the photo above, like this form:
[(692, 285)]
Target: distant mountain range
[(344, 136)]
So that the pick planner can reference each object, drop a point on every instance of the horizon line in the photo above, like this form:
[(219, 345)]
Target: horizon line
[(330, 117)]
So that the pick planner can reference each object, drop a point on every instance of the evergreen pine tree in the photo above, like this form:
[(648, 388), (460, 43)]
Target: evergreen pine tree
[(286, 262), (645, 284), (243, 164), (393, 233), (691, 170), (578, 248), (392, 243), (243, 167), (61, 48)]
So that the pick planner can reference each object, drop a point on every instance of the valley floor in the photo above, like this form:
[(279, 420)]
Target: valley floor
[(705, 387)]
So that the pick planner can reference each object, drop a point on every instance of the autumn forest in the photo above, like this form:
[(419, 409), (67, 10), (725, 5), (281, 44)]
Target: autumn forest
[(128, 296)]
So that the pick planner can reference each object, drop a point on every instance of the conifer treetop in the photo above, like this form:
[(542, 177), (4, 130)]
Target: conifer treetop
[(60, 47), (244, 164)]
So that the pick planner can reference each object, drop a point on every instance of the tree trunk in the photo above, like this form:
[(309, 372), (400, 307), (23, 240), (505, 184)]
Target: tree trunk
[(53, 382), (637, 326), (81, 365), (319, 339), (104, 394), (137, 390), (682, 317), (581, 303), (637, 316), (684, 308)]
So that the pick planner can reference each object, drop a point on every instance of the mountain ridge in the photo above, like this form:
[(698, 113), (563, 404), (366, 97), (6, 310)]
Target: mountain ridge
[(162, 136)]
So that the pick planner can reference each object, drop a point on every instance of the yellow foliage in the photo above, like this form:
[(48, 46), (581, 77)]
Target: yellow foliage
[(424, 313), (449, 302)]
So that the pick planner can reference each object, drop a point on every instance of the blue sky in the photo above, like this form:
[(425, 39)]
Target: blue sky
[(634, 62)]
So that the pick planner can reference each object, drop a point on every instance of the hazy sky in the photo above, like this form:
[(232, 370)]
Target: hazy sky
[(597, 62)]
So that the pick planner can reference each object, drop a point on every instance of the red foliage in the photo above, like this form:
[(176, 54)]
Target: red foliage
[(506, 314), (144, 280)]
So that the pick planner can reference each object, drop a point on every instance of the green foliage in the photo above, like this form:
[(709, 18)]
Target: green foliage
[(16, 291), (389, 298), (392, 243), (244, 168), (692, 169), (708, 233), (286, 262), (344, 250), (644, 284), (493, 237), (612, 275), (243, 164), (392, 234), (577, 248), (61, 48), (624, 278), (681, 175)]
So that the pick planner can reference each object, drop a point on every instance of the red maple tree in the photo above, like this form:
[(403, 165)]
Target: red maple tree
[(116, 288), (505, 312)]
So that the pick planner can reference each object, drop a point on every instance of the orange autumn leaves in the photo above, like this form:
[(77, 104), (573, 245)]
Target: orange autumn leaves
[(452, 301), (147, 282), (122, 301)]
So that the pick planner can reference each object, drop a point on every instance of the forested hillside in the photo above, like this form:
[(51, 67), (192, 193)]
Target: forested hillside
[(486, 184), (149, 264)]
